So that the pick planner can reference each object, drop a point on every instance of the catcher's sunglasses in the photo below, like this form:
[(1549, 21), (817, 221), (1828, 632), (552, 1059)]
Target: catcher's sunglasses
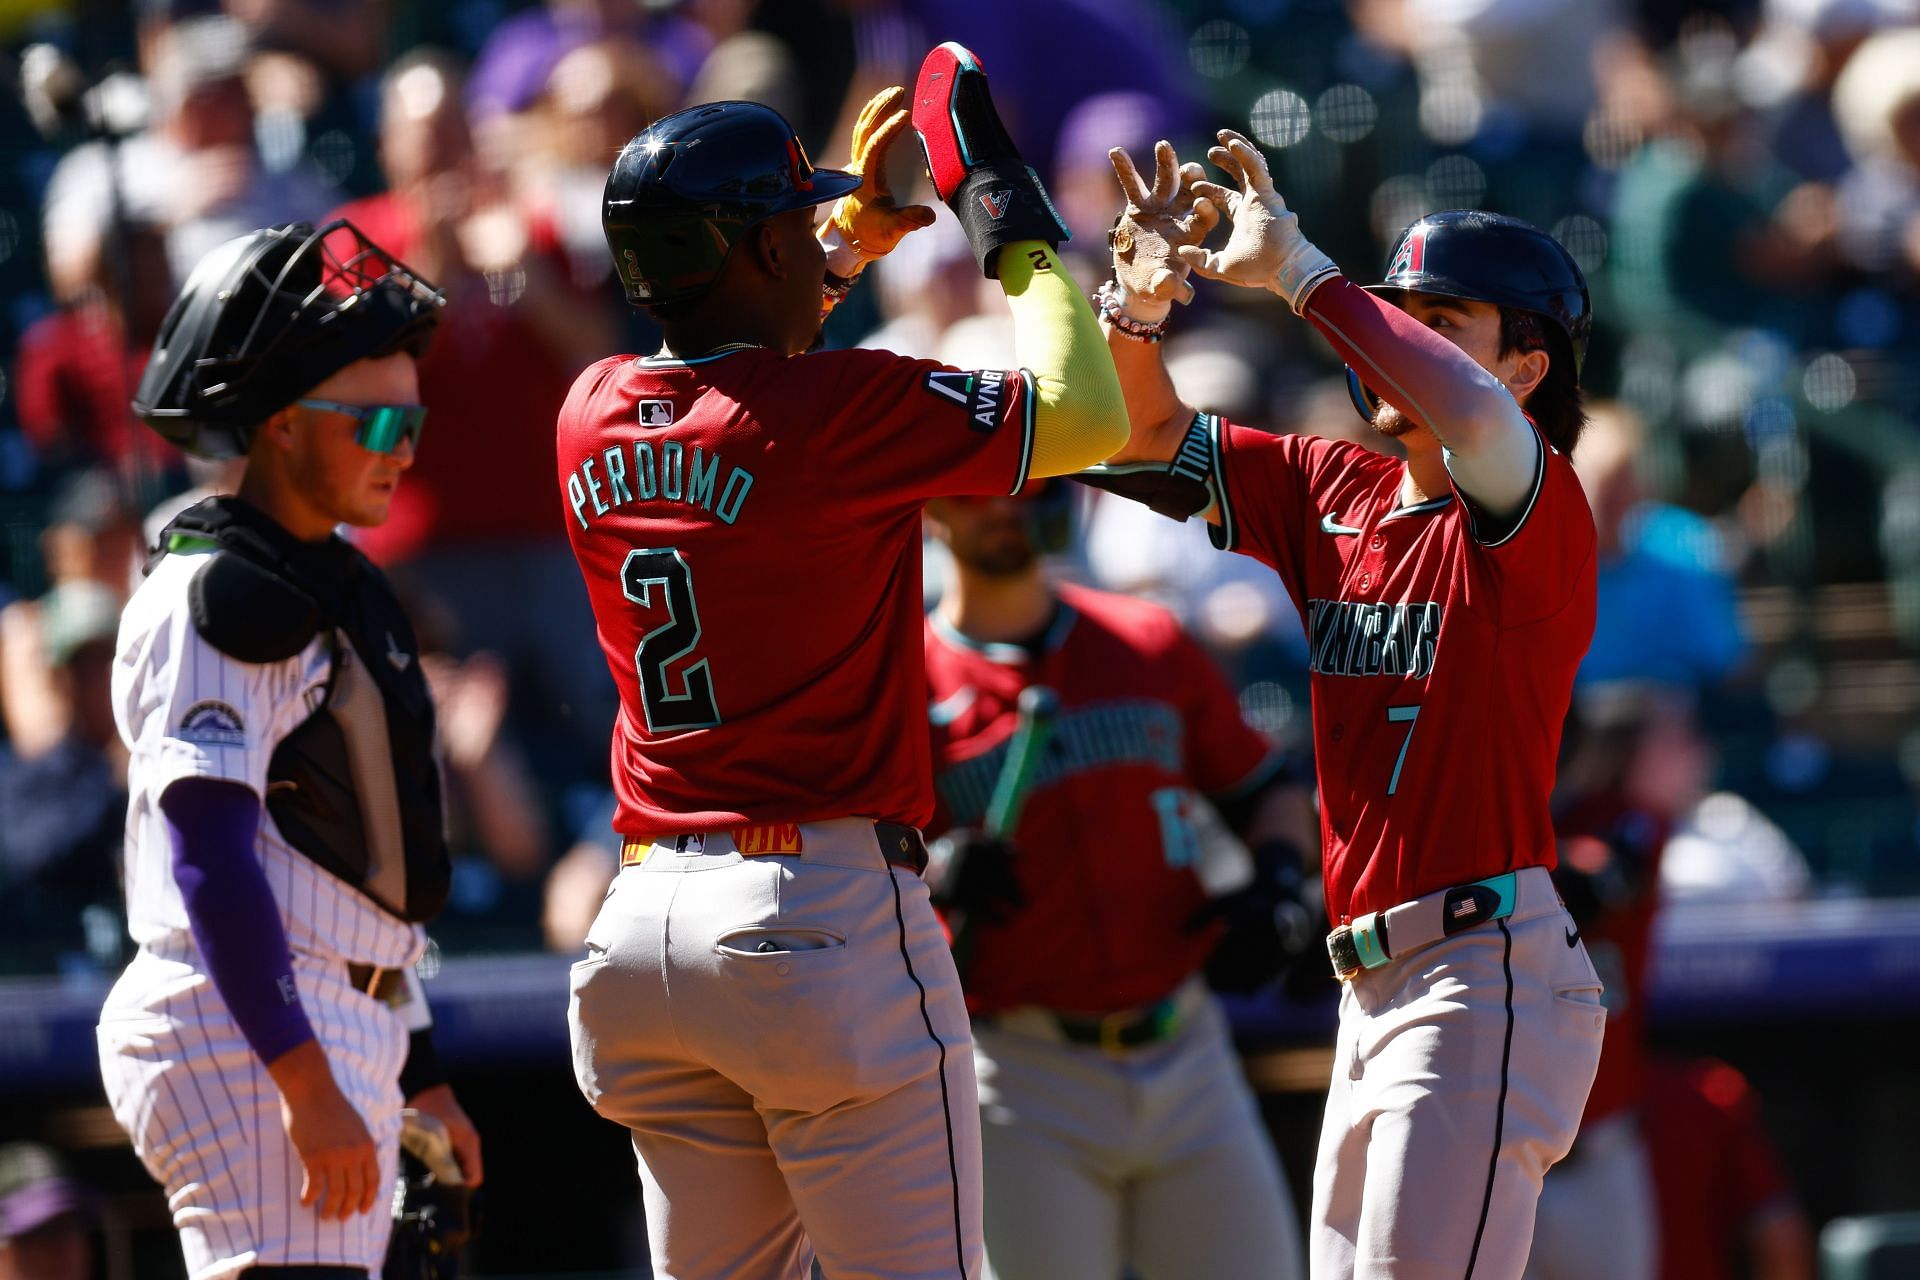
[(382, 426)]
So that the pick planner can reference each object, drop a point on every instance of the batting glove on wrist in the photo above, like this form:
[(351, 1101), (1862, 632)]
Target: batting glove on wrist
[(869, 223), (971, 872), (974, 165), (1158, 220), (1265, 249)]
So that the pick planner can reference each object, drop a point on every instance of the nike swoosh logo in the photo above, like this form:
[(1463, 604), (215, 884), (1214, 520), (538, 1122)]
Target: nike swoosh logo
[(1329, 525), (1573, 937)]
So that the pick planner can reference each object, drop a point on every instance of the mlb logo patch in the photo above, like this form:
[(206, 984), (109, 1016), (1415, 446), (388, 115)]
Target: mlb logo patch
[(656, 413), (996, 202)]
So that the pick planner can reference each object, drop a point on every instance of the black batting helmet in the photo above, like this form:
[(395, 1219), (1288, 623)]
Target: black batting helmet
[(683, 191), (1489, 257), (268, 316)]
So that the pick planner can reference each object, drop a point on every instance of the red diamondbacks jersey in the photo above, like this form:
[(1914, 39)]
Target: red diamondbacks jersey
[(1106, 845), (1440, 666), (748, 525)]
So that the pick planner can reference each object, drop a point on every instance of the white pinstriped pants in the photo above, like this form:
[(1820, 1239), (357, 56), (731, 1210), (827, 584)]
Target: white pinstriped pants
[(204, 1115), (1459, 1076)]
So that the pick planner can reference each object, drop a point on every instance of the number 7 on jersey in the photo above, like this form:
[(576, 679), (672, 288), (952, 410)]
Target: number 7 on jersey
[(1406, 716), (669, 642)]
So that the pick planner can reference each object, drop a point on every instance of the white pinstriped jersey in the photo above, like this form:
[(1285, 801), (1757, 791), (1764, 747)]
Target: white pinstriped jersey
[(187, 710)]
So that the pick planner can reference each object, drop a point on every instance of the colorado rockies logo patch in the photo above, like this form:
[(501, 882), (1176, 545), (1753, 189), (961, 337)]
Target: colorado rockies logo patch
[(212, 724), (996, 202)]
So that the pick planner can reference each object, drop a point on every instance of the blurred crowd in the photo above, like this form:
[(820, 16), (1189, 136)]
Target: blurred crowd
[(1739, 178)]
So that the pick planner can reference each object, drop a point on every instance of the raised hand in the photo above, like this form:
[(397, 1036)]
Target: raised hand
[(869, 220), (1265, 249), (1158, 220)]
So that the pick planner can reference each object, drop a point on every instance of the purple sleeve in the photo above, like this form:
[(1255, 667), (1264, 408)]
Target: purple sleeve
[(234, 918)]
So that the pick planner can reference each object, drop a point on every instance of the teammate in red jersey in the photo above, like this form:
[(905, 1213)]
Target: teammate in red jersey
[(1087, 921), (768, 1003), (1448, 599)]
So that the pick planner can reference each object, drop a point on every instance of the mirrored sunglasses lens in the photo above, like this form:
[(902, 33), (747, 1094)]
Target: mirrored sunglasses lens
[(384, 428)]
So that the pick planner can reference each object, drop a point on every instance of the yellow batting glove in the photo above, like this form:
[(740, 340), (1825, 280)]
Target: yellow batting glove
[(868, 221)]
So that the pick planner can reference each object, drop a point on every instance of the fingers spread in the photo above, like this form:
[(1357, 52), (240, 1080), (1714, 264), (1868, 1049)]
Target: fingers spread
[(1131, 185), (1252, 164), (885, 135), (1166, 174)]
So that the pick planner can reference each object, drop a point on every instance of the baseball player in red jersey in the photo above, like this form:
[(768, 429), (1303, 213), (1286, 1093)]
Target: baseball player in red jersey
[(1115, 1117), (768, 1003), (1448, 599)]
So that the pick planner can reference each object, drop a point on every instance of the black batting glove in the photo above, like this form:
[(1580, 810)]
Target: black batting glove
[(972, 873), (1269, 925)]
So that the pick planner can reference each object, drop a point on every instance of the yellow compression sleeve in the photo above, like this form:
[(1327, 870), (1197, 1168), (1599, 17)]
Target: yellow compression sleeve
[(1081, 416)]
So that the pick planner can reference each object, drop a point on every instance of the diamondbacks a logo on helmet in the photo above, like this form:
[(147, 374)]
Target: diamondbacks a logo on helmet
[(996, 202), (1411, 257)]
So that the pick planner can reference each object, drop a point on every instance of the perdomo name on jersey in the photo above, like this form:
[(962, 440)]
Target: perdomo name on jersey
[(665, 473), (1358, 638)]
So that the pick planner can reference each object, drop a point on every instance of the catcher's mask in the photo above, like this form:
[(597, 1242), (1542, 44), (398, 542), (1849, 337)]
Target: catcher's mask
[(682, 193), (268, 316), (1489, 257)]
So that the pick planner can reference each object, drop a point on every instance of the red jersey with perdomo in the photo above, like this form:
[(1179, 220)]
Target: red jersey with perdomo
[(748, 525), (1440, 666), (1107, 841)]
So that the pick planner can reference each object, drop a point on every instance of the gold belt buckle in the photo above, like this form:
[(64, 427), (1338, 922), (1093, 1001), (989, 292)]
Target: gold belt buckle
[(1111, 1025)]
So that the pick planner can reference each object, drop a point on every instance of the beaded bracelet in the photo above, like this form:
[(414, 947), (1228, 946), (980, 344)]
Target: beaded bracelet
[(1107, 297)]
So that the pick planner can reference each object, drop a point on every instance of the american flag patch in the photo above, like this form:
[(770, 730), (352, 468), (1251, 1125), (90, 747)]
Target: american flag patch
[(1465, 907)]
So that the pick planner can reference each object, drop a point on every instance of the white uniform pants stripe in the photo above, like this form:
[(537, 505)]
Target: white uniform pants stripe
[(1439, 1127)]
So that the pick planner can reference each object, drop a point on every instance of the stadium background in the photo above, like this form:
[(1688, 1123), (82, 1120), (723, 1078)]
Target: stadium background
[(1740, 180)]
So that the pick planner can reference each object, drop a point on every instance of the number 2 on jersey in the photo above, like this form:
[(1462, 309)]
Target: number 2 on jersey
[(668, 643), (1406, 716)]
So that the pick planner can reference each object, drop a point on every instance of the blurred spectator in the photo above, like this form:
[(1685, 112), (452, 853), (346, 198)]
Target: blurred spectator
[(1727, 850), (196, 171), (578, 883), (1114, 45), (479, 518), (496, 827), (92, 539), (599, 95), (46, 1218), (743, 64), (516, 64), (77, 368), (1790, 68), (63, 808), (1667, 607), (1877, 103), (1695, 245), (1726, 1208)]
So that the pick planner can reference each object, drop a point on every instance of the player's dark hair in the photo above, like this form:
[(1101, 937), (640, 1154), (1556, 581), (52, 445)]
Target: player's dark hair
[(1556, 404)]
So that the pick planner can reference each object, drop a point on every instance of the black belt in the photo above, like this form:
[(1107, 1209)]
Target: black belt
[(1126, 1029), (902, 846), (388, 986)]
